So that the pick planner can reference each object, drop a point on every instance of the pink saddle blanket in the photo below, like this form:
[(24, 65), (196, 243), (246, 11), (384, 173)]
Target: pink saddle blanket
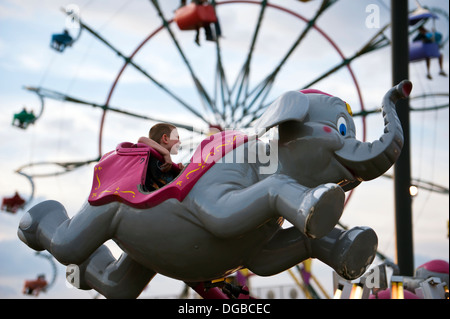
[(120, 174)]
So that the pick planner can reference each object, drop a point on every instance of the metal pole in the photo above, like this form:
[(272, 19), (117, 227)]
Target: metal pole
[(402, 168)]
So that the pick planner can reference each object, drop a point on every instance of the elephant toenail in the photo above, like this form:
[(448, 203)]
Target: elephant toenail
[(319, 192), (26, 221)]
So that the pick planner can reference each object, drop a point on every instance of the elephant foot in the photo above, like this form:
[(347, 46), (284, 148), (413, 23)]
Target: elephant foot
[(98, 261), (75, 275), (37, 226), (354, 251), (122, 278), (322, 207)]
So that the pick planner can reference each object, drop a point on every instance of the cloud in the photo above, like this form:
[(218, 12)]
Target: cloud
[(70, 132), (29, 62)]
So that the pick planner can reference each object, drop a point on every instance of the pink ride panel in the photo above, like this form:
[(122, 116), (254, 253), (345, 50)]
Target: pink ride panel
[(119, 174)]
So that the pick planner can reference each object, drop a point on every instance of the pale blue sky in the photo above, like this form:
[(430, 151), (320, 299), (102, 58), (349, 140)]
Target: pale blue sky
[(67, 132)]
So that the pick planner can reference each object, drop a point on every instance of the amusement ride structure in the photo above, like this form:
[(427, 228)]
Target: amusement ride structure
[(236, 102)]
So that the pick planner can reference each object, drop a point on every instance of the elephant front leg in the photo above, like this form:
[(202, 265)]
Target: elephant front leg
[(314, 211), (230, 210)]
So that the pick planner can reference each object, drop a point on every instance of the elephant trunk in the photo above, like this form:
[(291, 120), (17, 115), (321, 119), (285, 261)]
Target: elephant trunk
[(370, 160)]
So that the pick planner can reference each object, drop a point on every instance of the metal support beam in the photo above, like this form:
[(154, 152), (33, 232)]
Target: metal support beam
[(402, 168)]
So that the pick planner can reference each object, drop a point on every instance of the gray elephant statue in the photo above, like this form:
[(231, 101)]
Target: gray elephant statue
[(231, 218)]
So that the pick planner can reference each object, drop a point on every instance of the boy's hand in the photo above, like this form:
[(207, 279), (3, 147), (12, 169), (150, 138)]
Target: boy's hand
[(165, 167), (167, 163)]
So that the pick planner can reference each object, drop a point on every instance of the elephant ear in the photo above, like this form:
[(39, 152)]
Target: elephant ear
[(291, 106)]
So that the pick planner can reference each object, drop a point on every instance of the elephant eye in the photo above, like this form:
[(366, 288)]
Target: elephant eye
[(342, 126)]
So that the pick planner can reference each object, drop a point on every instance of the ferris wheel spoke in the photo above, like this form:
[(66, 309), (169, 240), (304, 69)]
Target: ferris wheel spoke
[(266, 83), (145, 73), (65, 166), (42, 92), (242, 80), (378, 41), (221, 84), (205, 98)]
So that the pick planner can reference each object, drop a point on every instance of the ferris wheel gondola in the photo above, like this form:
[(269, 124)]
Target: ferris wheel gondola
[(60, 41), (26, 117), (40, 284), (426, 44)]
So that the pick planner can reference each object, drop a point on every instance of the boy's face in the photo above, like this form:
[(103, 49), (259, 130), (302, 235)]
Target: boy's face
[(174, 142)]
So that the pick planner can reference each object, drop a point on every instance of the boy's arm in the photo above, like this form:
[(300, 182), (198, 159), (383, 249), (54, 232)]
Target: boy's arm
[(161, 150)]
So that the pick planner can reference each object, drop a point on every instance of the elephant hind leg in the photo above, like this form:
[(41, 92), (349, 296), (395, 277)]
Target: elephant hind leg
[(122, 278), (70, 241), (349, 252), (287, 248)]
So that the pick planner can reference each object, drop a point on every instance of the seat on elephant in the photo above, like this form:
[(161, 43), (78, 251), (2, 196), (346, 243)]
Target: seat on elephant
[(155, 178), (121, 175)]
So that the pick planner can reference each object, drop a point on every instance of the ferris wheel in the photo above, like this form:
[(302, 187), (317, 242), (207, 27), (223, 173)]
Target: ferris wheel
[(234, 73), (234, 70)]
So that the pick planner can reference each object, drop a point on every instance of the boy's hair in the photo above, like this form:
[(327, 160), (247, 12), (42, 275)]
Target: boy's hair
[(158, 130)]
